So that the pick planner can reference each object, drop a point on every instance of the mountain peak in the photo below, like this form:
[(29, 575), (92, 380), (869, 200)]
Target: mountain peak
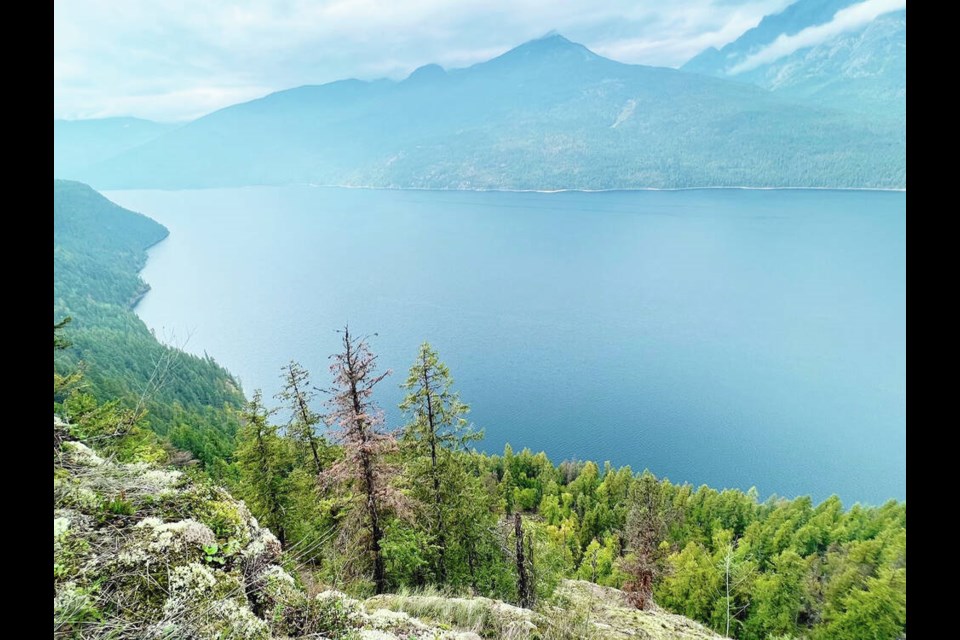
[(552, 40), (549, 47), (427, 73)]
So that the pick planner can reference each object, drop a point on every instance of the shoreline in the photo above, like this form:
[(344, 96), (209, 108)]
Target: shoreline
[(495, 190)]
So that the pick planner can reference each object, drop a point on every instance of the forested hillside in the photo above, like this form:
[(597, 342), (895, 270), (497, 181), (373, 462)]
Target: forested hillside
[(370, 509), (98, 250)]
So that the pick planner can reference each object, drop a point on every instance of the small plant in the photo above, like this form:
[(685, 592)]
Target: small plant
[(326, 616), (211, 554), (120, 507)]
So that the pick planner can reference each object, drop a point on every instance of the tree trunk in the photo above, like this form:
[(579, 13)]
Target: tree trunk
[(434, 472), (523, 580), (376, 533), (306, 426)]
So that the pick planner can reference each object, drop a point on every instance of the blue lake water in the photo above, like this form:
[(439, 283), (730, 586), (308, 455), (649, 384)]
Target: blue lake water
[(724, 337)]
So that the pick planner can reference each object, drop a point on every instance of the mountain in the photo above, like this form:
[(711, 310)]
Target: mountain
[(861, 69), (549, 114), (79, 143), (792, 20)]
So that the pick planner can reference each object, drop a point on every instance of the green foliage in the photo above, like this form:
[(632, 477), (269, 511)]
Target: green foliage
[(302, 428), (263, 459), (875, 612), (407, 551), (120, 507), (434, 437), (315, 617), (99, 249), (74, 607), (60, 342)]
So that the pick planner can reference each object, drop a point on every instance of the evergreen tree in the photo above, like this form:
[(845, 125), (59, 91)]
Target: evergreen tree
[(778, 598), (436, 430), (62, 383), (876, 612), (298, 395), (59, 342), (646, 528), (262, 463), (358, 425)]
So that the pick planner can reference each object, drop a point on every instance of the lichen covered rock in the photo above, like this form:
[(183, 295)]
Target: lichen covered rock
[(149, 553)]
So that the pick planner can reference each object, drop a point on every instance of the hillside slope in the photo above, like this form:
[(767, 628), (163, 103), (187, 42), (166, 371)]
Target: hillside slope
[(144, 552), (548, 114), (98, 251)]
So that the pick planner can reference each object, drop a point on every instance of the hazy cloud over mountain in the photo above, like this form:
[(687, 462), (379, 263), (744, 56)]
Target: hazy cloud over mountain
[(847, 19), (174, 59)]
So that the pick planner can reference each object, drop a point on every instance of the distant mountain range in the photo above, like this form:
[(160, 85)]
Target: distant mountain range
[(551, 114), (78, 144)]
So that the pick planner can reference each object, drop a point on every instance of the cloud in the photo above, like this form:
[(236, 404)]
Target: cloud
[(177, 59), (847, 19)]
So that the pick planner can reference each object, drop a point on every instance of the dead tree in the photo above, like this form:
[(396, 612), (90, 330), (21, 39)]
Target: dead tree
[(524, 583), (358, 425)]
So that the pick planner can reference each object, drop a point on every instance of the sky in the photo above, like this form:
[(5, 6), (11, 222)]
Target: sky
[(175, 60)]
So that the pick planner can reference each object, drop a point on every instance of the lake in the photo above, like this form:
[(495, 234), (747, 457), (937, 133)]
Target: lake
[(734, 338)]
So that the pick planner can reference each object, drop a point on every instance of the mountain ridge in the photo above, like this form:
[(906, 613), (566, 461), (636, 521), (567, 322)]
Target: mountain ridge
[(860, 70), (548, 114)]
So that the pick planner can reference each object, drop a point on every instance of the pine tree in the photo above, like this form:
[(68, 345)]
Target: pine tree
[(298, 395), (522, 555), (63, 383), (437, 430), (261, 459), (59, 342), (646, 527), (358, 425)]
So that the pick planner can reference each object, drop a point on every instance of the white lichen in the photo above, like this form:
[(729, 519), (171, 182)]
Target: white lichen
[(263, 548), (191, 580), (241, 623), (81, 454), (60, 527), (176, 536), (69, 600)]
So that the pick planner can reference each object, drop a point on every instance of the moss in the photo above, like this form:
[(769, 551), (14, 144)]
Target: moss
[(73, 607), (70, 550), (324, 616), (225, 519)]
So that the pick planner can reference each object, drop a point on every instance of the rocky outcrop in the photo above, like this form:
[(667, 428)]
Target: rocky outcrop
[(149, 553)]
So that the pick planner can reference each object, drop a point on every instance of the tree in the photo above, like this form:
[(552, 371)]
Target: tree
[(59, 342), (297, 394), (436, 430), (875, 612), (525, 589), (261, 461), (646, 528), (358, 425), (63, 383), (778, 597)]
